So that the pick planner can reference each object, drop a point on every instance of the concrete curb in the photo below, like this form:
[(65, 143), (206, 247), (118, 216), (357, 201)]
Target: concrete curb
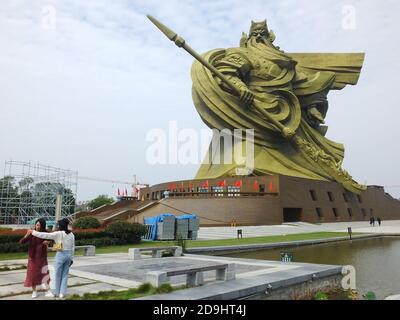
[(259, 246)]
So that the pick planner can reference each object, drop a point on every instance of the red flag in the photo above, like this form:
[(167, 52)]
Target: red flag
[(221, 183), (270, 187), (238, 183), (182, 188), (205, 184), (126, 192), (172, 186), (256, 186), (118, 192)]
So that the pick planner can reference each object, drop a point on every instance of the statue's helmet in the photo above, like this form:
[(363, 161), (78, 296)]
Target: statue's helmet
[(259, 30)]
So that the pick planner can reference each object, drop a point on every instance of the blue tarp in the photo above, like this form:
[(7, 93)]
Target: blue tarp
[(186, 216)]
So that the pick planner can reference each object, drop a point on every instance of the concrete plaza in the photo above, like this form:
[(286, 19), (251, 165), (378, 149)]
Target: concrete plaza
[(106, 272)]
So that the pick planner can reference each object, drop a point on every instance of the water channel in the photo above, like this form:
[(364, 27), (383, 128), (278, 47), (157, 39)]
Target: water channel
[(377, 261)]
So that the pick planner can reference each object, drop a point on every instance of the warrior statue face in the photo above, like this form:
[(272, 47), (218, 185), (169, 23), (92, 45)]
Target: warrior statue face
[(259, 31)]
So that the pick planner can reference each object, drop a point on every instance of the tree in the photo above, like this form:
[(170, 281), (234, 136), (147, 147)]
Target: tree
[(100, 201), (45, 193)]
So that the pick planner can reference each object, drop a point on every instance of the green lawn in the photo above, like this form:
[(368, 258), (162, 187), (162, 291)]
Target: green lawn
[(201, 243)]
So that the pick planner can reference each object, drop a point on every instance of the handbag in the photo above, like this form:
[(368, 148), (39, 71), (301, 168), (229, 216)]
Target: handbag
[(58, 246)]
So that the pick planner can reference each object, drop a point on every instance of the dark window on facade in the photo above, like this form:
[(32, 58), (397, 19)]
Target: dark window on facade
[(345, 197), (350, 212), (335, 212), (359, 198), (363, 212), (313, 195), (147, 196), (319, 212), (330, 196), (262, 187), (371, 211)]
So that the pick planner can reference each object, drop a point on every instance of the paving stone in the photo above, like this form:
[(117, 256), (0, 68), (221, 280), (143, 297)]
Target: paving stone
[(19, 288), (12, 278), (88, 288)]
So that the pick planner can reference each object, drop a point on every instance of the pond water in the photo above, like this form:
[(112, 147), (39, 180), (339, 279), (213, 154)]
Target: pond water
[(377, 261)]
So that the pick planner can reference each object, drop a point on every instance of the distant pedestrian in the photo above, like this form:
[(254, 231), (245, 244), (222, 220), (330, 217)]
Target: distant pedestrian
[(379, 221), (372, 221)]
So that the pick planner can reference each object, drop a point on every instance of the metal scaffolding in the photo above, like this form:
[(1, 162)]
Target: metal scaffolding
[(29, 191)]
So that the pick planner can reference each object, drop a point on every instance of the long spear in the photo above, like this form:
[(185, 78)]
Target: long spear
[(181, 43)]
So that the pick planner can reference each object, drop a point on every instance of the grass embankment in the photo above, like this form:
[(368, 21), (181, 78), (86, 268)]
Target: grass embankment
[(200, 243)]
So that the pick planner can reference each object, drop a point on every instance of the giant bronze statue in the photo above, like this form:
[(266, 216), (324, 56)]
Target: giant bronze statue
[(282, 96)]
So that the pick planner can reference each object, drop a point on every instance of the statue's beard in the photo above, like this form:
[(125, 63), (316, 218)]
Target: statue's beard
[(255, 41), (264, 46)]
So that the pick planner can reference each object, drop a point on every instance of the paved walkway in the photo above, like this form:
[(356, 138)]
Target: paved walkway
[(211, 233)]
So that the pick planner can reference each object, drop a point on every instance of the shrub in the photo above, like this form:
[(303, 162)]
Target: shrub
[(130, 232), (321, 296), (10, 247), (87, 223), (99, 242), (4, 238), (89, 234), (164, 288), (369, 296), (144, 287)]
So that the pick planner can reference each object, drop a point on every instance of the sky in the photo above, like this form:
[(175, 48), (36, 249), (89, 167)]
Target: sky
[(82, 83)]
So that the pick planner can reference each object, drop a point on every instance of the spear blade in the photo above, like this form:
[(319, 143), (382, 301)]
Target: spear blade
[(171, 35)]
